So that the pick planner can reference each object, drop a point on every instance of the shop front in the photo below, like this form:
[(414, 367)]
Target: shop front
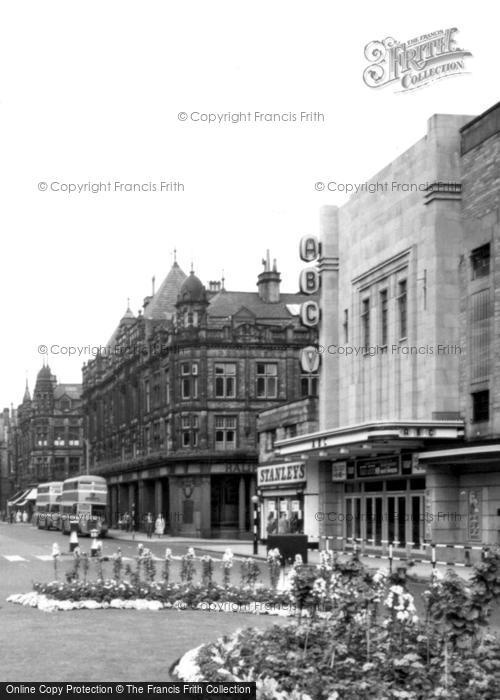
[(281, 488), (380, 500), (374, 484)]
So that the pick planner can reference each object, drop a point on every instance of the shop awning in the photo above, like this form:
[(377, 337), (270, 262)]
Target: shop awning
[(28, 496), (385, 435), (20, 496), (469, 455)]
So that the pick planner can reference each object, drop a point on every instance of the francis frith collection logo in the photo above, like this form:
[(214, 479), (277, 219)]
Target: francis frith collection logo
[(414, 63)]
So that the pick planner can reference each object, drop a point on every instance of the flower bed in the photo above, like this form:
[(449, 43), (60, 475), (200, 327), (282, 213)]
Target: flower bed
[(57, 595), (329, 661), (370, 644), (355, 635), (139, 588)]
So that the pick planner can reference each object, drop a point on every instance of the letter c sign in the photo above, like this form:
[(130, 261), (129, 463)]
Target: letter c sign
[(309, 313)]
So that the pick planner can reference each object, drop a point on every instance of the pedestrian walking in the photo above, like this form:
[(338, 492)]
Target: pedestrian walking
[(18, 516), (160, 525), (149, 525), (25, 516)]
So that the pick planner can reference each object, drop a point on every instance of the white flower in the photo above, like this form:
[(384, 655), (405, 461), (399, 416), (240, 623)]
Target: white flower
[(187, 669), (228, 556)]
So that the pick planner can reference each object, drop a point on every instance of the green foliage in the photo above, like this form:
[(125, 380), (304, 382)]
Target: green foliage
[(274, 564), (117, 565), (207, 570), (187, 566), (250, 572)]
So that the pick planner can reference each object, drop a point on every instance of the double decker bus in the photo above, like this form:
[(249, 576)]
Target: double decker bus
[(48, 505), (83, 501)]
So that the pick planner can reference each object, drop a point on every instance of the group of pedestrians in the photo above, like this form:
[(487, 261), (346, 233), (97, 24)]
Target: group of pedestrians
[(159, 525), (17, 516), (128, 523)]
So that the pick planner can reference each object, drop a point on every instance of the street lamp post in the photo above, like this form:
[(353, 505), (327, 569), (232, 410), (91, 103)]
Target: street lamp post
[(255, 501)]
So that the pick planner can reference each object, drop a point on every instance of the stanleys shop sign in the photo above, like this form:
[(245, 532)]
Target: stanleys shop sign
[(414, 63), (290, 473)]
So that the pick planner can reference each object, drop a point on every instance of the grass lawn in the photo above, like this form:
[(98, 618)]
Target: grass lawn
[(106, 645)]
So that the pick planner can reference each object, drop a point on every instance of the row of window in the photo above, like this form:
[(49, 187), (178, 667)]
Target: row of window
[(156, 436), (62, 436), (383, 317), (59, 463), (225, 383), (117, 409)]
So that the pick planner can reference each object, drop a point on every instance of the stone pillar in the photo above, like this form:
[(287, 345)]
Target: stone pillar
[(158, 498), (113, 502), (328, 265), (205, 507), (123, 504), (131, 498), (141, 505), (241, 505), (132, 505), (174, 514)]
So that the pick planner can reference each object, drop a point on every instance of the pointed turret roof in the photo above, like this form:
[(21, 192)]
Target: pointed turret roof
[(162, 305), (27, 395), (126, 320)]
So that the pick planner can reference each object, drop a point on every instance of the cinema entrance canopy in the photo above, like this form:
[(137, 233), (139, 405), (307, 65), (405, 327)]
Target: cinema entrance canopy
[(373, 438)]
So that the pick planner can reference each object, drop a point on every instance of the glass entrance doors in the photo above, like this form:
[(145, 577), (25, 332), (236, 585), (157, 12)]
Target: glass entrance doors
[(387, 518)]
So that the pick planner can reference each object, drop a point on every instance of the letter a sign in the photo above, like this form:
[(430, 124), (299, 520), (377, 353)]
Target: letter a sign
[(309, 359)]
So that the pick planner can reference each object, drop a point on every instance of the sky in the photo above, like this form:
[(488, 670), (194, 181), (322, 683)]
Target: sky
[(91, 92)]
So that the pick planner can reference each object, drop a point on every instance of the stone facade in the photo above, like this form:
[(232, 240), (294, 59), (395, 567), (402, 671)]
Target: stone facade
[(46, 439), (409, 385), (171, 415), (468, 480)]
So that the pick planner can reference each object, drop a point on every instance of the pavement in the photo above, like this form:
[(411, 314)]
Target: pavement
[(420, 571)]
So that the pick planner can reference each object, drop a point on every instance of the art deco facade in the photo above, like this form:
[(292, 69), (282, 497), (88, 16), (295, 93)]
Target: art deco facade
[(171, 407), (408, 447)]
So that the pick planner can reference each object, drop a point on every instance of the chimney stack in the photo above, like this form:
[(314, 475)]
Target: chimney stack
[(268, 282)]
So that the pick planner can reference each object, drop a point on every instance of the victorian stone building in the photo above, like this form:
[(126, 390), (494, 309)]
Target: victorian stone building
[(46, 440), (171, 402)]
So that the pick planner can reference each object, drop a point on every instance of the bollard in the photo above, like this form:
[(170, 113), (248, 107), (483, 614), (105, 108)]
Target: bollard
[(73, 540), (94, 547)]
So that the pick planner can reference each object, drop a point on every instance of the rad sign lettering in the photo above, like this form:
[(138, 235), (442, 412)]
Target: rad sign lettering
[(281, 474)]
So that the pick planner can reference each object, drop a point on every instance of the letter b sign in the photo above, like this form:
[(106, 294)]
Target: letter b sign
[(309, 281)]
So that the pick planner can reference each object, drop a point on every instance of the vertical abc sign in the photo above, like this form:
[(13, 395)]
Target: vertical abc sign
[(309, 280)]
